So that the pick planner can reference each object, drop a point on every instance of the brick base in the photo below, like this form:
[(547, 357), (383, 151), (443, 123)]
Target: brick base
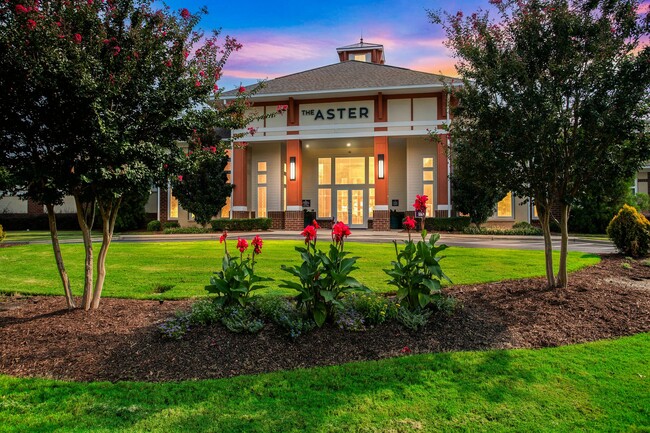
[(381, 220), (277, 220), (442, 213), (34, 208), (294, 220)]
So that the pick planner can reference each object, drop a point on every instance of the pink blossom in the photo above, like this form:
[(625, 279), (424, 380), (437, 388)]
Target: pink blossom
[(202, 73), (22, 9), (242, 89), (197, 83), (168, 63), (180, 177), (31, 24), (216, 88), (282, 108), (185, 13), (116, 50), (77, 38), (252, 131)]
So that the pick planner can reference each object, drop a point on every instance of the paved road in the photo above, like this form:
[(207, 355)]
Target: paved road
[(507, 242)]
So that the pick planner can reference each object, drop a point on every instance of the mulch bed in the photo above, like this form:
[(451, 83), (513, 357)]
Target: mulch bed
[(120, 341)]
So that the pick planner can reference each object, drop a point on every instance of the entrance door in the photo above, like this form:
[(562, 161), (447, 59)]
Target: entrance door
[(350, 207)]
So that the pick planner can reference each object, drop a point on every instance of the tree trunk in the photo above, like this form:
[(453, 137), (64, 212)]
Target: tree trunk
[(545, 220), (562, 275), (109, 215), (86, 218), (51, 216)]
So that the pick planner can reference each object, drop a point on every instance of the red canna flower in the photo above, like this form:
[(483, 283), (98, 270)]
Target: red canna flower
[(340, 231), (409, 223), (420, 203), (242, 245), (223, 237), (309, 233), (257, 243), (315, 224), (77, 38), (185, 13)]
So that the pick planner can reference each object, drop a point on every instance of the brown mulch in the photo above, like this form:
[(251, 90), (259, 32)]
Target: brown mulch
[(120, 341)]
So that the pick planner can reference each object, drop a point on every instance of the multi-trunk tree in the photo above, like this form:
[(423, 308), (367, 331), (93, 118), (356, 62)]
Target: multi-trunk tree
[(556, 94), (96, 95)]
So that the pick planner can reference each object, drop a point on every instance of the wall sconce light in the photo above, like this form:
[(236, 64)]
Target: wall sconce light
[(380, 166), (292, 168)]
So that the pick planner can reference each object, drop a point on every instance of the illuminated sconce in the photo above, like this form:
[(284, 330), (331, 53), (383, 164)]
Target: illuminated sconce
[(380, 166), (292, 168)]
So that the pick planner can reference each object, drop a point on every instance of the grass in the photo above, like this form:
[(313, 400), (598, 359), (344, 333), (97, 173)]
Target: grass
[(40, 235), (174, 270), (602, 386)]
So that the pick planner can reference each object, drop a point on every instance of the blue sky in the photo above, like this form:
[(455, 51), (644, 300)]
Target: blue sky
[(288, 36)]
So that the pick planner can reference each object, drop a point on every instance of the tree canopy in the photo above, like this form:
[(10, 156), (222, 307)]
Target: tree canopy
[(555, 93)]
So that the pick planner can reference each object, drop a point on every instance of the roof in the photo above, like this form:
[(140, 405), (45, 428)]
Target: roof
[(360, 46), (349, 75)]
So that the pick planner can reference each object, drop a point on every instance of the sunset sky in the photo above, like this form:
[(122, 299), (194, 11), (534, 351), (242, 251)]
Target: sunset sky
[(288, 36)]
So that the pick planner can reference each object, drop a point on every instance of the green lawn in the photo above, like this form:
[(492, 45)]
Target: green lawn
[(603, 386), (39, 235), (136, 270)]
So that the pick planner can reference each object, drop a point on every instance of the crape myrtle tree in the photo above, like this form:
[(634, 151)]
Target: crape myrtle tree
[(556, 94), (97, 95)]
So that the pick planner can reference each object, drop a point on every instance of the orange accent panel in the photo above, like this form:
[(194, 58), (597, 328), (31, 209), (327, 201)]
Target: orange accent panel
[(294, 187), (442, 172), (240, 177), (381, 185)]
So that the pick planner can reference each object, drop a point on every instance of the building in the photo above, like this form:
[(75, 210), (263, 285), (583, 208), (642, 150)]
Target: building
[(353, 146)]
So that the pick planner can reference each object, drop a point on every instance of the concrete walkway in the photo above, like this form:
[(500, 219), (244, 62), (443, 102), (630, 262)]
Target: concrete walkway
[(369, 236)]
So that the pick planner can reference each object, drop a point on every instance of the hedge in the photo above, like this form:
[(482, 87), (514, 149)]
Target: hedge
[(529, 231), (244, 224), (186, 231), (451, 224)]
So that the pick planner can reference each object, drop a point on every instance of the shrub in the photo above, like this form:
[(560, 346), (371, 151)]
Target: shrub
[(154, 226), (244, 224), (451, 224), (324, 277), (176, 327), (522, 225), (530, 231), (204, 312), (375, 309), (236, 280), (630, 232), (413, 320), (284, 314), (186, 231), (132, 215), (349, 319), (171, 225), (3, 234), (240, 319)]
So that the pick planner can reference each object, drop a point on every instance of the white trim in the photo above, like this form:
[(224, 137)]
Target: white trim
[(294, 208), (341, 91), (330, 126), (443, 207), (239, 208), (342, 135), (381, 207)]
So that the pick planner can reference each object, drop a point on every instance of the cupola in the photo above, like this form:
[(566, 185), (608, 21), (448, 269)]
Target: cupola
[(362, 52)]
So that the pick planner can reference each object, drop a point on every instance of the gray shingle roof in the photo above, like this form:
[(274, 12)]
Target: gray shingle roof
[(343, 76), (360, 45)]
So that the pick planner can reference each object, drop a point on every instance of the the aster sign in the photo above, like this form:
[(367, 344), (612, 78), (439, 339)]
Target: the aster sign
[(341, 112)]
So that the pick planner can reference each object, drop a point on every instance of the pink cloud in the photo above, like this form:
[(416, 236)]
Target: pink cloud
[(644, 8)]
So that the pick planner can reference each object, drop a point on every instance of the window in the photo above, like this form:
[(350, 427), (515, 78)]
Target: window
[(360, 57), (324, 171), (351, 171), (371, 201), (504, 207), (371, 170), (324, 203), (427, 183), (261, 189), (173, 206)]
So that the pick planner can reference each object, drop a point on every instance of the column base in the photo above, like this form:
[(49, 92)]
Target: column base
[(294, 220), (277, 219), (241, 214), (381, 220)]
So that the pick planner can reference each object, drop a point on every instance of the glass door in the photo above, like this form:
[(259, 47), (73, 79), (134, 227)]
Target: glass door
[(350, 207)]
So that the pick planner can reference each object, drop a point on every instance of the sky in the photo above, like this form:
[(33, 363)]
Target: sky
[(288, 36)]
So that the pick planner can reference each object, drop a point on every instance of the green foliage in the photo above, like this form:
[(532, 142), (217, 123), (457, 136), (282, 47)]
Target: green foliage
[(3, 234), (201, 184), (476, 191), (522, 225), (417, 273), (449, 224), (413, 320), (132, 215), (176, 327), (526, 231), (641, 201), (595, 208), (238, 319), (171, 225), (204, 312), (154, 226), (630, 232), (236, 280), (285, 314), (186, 231), (324, 278), (242, 224), (543, 83), (375, 309)]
